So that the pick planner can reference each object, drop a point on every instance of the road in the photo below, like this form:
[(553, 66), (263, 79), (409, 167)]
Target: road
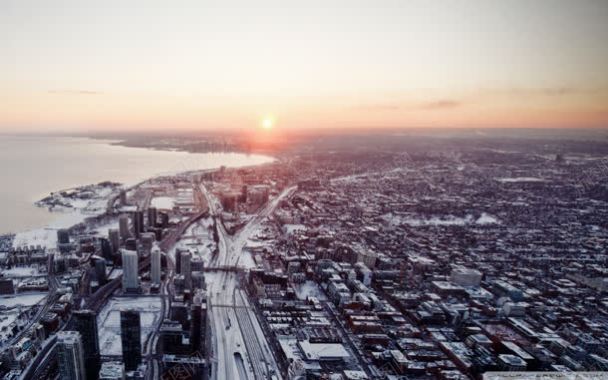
[(236, 333), (49, 301)]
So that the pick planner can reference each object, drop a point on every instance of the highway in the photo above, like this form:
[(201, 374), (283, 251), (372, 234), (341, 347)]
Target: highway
[(48, 303), (238, 340)]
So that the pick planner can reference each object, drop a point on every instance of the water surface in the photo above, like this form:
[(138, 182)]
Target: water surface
[(33, 166)]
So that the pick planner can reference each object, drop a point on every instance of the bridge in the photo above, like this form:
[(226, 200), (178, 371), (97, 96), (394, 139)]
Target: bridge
[(173, 236), (224, 268)]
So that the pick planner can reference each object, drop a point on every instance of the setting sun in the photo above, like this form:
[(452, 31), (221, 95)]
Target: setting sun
[(267, 123)]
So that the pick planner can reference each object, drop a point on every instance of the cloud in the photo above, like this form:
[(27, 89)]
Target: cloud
[(441, 104), (378, 107), (75, 92), (554, 91), (429, 105)]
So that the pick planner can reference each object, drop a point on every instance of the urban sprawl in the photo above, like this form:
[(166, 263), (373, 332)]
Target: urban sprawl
[(466, 260)]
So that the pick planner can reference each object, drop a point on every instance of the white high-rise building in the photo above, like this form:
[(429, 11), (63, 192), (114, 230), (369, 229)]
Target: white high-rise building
[(70, 355), (130, 280), (155, 272)]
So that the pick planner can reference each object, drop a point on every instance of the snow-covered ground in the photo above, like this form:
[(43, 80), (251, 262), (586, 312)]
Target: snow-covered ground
[(487, 219), (21, 271), (447, 220), (199, 239), (25, 299), (102, 229), (309, 289), (11, 307), (74, 211), (108, 321), (519, 179), (47, 236), (163, 203)]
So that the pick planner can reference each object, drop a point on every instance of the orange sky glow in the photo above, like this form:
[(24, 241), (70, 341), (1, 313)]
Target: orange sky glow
[(203, 65)]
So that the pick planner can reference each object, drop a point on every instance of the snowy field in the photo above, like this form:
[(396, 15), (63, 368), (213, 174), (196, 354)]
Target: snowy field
[(24, 271), (26, 300), (519, 179), (108, 321), (103, 228), (11, 307), (163, 203), (198, 238), (448, 220), (65, 217), (309, 289)]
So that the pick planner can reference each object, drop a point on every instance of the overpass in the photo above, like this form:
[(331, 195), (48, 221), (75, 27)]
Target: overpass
[(224, 268)]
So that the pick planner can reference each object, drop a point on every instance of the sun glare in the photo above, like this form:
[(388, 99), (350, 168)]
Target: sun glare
[(267, 123)]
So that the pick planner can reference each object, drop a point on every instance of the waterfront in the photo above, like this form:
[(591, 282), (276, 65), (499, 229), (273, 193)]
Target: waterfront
[(34, 166)]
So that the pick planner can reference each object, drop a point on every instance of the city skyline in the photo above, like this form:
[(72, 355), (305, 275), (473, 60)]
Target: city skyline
[(154, 66)]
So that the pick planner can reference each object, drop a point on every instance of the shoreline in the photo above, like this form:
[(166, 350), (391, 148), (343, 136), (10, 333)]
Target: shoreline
[(70, 217)]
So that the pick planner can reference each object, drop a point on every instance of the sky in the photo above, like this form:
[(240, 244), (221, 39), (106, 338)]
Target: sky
[(196, 65)]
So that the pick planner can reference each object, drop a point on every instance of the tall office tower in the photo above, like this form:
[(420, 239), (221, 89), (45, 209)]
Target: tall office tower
[(155, 271), (151, 216), (123, 227), (171, 337), (70, 356), (112, 371), (130, 281), (123, 197), (197, 264), (130, 336), (63, 240), (147, 240), (164, 219), (178, 261), (186, 270), (195, 326), (99, 264), (200, 298), (106, 248), (138, 223), (85, 322), (198, 280), (131, 244), (63, 236), (114, 238)]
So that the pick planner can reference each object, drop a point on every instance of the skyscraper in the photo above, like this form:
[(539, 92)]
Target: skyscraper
[(114, 237), (123, 227), (138, 223), (63, 236), (195, 326), (123, 197), (130, 280), (151, 216), (99, 264), (63, 240), (186, 270), (147, 241), (178, 261), (155, 272), (70, 356), (130, 336), (106, 248), (85, 322)]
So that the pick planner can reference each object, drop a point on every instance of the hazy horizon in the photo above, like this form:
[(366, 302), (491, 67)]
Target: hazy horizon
[(88, 67)]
